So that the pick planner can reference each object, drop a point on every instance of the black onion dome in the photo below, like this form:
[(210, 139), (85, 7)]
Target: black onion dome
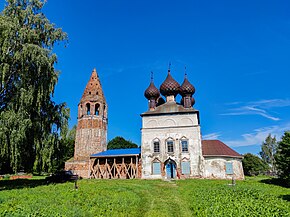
[(151, 92), (187, 88), (169, 86)]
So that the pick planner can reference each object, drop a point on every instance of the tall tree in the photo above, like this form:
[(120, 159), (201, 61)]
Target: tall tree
[(283, 157), (30, 121), (120, 142), (253, 165), (65, 149), (268, 151)]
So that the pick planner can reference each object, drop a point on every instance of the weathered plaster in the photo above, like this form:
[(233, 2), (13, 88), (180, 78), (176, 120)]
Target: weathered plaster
[(215, 168)]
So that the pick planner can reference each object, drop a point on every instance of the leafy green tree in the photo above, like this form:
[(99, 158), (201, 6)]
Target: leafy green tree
[(268, 150), (30, 121), (63, 149), (120, 142), (283, 157), (253, 165), (69, 144)]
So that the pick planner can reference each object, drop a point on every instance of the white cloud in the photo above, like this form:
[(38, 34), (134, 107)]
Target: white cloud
[(259, 135), (248, 110), (211, 136), (271, 103), (260, 107)]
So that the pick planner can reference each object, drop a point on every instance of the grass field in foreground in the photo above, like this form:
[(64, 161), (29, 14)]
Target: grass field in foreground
[(143, 198)]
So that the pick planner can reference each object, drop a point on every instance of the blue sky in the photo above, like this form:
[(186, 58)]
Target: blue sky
[(236, 53)]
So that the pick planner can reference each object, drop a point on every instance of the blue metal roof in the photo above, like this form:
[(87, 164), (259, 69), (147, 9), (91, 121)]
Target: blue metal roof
[(118, 152)]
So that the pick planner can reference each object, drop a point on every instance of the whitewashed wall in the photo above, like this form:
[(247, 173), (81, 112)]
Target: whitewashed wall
[(175, 126), (215, 168)]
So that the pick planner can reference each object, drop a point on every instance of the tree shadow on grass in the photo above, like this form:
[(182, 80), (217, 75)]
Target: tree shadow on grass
[(275, 181), (278, 182), (21, 183), (286, 197)]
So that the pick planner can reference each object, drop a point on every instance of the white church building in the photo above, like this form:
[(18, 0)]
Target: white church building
[(172, 145), (171, 140)]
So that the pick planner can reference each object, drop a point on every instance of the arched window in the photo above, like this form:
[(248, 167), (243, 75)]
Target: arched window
[(156, 146), (184, 145), (97, 109), (170, 145), (88, 108)]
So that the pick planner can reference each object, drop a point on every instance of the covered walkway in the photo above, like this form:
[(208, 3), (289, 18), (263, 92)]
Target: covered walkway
[(116, 164)]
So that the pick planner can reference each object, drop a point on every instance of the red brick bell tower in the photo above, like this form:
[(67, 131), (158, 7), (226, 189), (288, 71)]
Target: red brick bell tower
[(91, 134)]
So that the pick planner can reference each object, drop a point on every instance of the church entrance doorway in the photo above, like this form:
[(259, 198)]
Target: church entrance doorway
[(170, 168)]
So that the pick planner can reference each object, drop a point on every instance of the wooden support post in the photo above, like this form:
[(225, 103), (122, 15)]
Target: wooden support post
[(98, 166), (89, 169), (123, 166), (131, 170), (106, 168), (110, 171), (102, 172), (93, 170), (114, 174), (136, 166)]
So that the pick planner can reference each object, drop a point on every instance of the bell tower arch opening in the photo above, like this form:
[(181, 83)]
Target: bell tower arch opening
[(88, 107), (97, 109)]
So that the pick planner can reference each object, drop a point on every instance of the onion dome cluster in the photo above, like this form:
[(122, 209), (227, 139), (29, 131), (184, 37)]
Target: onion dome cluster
[(169, 86)]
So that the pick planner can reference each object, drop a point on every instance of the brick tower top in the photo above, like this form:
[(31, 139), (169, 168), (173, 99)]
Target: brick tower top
[(93, 101), (93, 91)]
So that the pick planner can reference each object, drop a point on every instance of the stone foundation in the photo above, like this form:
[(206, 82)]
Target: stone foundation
[(78, 167)]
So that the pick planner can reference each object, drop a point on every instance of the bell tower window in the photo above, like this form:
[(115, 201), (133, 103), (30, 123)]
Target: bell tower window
[(97, 109), (88, 108)]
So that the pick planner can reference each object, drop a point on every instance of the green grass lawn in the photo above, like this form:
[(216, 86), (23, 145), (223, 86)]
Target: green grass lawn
[(143, 198)]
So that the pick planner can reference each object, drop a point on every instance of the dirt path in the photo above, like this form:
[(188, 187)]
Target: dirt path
[(166, 200)]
